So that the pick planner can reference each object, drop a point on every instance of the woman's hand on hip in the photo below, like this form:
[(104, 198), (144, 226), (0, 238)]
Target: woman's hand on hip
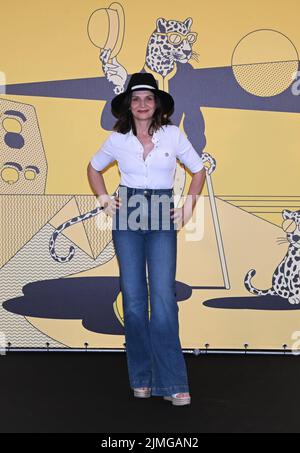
[(181, 216), (109, 203)]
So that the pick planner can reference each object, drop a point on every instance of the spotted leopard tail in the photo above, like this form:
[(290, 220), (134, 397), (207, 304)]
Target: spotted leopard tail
[(62, 227), (252, 289)]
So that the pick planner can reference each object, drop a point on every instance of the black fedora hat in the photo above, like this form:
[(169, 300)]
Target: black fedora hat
[(142, 81)]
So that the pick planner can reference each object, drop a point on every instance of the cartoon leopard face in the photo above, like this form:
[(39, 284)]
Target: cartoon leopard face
[(171, 41), (291, 225)]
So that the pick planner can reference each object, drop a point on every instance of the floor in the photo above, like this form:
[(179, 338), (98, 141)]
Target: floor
[(88, 393)]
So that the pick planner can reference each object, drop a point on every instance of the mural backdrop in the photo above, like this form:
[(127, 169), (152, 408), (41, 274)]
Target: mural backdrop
[(233, 70)]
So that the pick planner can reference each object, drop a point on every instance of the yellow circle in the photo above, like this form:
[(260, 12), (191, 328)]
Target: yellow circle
[(12, 125), (30, 175), (10, 175), (264, 62)]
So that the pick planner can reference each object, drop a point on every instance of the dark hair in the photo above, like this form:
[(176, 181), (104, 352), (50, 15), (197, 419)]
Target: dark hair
[(126, 121)]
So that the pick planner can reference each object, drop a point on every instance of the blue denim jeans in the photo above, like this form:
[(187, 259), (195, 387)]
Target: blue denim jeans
[(153, 349)]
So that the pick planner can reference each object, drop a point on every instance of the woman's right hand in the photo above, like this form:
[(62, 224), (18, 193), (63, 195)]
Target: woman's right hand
[(109, 203)]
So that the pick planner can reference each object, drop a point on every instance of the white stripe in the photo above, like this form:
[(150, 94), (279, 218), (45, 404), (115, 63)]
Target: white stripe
[(142, 86)]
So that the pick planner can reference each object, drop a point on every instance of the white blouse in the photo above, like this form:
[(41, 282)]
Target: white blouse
[(157, 171)]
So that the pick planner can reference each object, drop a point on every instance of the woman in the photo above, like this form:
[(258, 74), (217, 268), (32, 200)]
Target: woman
[(146, 144)]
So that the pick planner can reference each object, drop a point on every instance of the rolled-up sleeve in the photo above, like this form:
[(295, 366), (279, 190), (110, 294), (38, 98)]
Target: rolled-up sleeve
[(104, 155), (187, 154)]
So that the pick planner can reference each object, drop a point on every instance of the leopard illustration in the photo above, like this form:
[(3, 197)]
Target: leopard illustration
[(171, 41), (286, 278)]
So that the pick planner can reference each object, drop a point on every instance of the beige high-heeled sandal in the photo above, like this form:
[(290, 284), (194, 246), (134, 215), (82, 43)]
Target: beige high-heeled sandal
[(143, 392), (177, 400)]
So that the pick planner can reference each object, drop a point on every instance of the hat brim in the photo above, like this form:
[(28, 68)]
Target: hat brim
[(121, 29), (166, 100)]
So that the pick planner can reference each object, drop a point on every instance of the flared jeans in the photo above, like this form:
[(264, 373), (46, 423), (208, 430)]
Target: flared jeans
[(145, 249)]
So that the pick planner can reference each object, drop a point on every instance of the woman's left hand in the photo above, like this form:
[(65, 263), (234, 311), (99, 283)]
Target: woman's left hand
[(181, 216)]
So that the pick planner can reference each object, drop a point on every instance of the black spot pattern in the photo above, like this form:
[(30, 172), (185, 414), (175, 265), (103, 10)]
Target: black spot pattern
[(159, 44), (286, 278)]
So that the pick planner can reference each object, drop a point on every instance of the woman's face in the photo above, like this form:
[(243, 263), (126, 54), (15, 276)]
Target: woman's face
[(143, 104)]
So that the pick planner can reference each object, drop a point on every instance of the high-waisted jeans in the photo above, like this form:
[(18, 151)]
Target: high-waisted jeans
[(153, 349)]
